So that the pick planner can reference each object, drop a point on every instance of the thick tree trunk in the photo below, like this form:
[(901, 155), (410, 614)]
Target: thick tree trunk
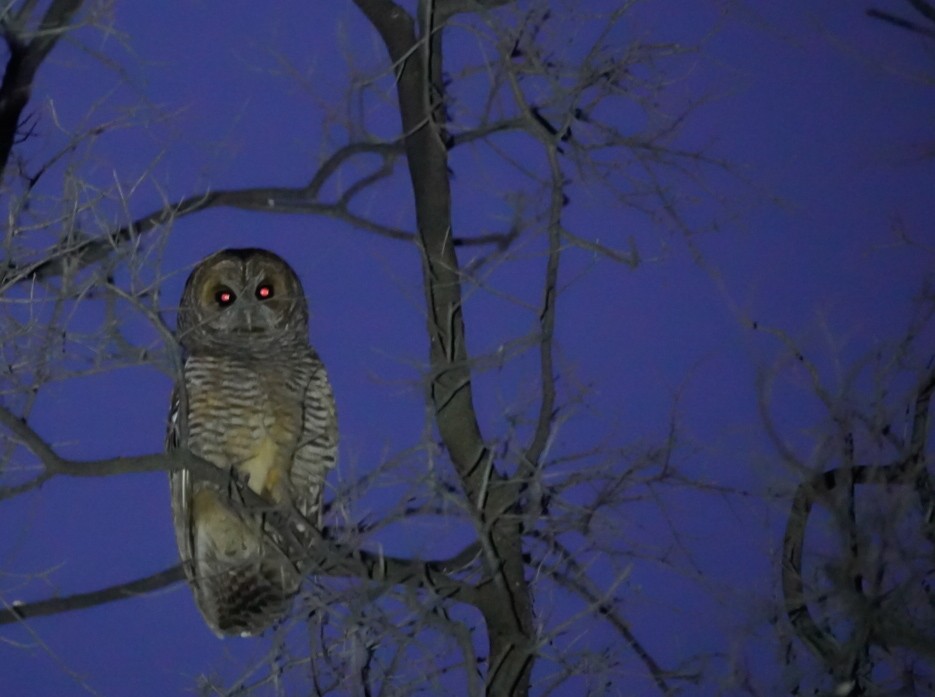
[(505, 601)]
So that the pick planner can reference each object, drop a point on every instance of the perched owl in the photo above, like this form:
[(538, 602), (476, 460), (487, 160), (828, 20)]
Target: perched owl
[(259, 404)]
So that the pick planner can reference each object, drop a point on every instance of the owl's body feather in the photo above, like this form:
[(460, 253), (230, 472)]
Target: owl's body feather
[(260, 405)]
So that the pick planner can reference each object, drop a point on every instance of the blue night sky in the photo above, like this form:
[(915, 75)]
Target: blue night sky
[(824, 119)]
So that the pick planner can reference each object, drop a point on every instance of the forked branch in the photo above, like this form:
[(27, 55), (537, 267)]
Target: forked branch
[(27, 49), (506, 601), (844, 660)]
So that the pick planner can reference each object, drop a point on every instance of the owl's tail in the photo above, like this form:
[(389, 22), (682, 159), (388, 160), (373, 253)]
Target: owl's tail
[(247, 598)]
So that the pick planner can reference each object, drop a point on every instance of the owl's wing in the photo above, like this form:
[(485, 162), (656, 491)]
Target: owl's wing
[(318, 444), (180, 491)]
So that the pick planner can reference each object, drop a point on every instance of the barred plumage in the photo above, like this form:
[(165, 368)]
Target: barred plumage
[(259, 403)]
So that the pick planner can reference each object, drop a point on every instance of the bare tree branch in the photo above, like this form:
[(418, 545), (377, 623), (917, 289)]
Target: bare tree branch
[(26, 55), (505, 603), (903, 23), (19, 612), (546, 415), (844, 660), (284, 200), (569, 574), (328, 556), (262, 199), (449, 8), (924, 8)]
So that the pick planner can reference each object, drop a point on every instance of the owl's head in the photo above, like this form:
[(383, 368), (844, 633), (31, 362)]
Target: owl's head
[(242, 299)]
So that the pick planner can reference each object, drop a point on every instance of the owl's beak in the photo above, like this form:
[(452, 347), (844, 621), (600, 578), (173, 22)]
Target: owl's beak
[(248, 319)]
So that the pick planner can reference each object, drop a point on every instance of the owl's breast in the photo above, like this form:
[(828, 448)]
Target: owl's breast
[(244, 417)]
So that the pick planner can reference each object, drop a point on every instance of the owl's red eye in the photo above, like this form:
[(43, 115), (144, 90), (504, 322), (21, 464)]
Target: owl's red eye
[(225, 296), (264, 291)]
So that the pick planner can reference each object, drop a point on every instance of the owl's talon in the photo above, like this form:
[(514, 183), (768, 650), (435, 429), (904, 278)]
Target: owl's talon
[(237, 482)]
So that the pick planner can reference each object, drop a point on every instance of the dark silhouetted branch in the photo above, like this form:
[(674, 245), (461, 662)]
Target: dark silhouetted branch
[(901, 22), (924, 8), (505, 602), (25, 56), (843, 660), (18, 612), (327, 556), (283, 200), (569, 574)]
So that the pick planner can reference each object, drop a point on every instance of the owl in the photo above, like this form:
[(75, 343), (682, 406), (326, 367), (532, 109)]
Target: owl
[(259, 406)]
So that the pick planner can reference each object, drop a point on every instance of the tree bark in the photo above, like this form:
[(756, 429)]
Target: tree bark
[(22, 65), (505, 602)]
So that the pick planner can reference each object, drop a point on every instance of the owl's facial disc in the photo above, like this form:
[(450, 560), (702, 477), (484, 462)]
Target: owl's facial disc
[(243, 293)]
